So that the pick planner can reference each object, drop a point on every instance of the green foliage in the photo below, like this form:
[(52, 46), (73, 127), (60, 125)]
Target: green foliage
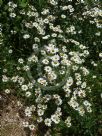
[(1, 2), (23, 3)]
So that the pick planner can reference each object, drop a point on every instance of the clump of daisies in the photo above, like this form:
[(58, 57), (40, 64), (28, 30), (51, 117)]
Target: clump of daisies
[(54, 74)]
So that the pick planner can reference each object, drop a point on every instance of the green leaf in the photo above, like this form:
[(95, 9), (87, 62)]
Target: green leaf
[(1, 2), (89, 2), (23, 3)]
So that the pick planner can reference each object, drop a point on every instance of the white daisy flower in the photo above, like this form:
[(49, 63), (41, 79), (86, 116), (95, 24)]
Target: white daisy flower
[(47, 122)]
